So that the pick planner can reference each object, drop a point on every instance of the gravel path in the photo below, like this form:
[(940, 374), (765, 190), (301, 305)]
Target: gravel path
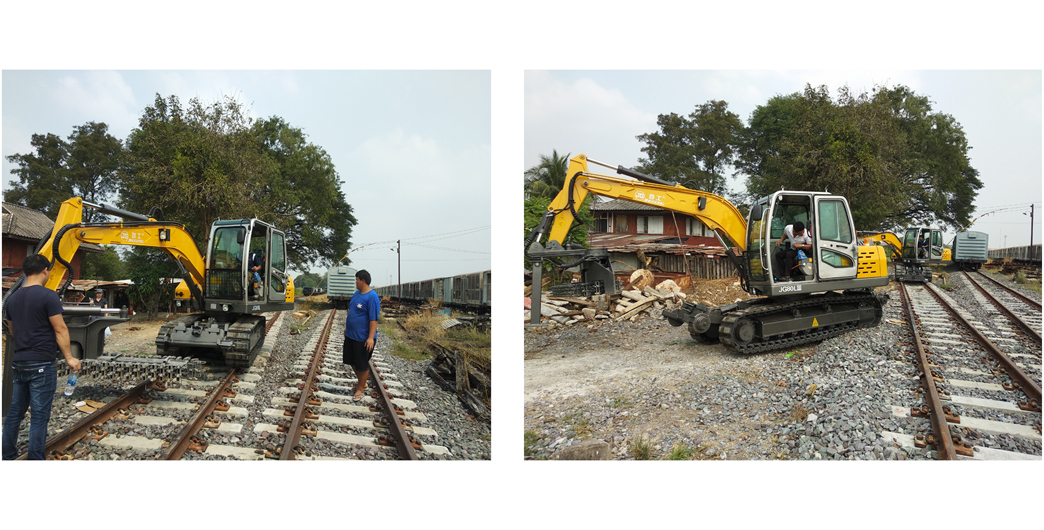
[(648, 381)]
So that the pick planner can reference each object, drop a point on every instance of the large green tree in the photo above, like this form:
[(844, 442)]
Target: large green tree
[(301, 195), (546, 179), (694, 150), (896, 161), (211, 161), (197, 165), (84, 166), (106, 266)]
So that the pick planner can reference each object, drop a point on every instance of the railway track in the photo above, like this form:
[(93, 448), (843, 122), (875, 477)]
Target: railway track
[(296, 407), (980, 382)]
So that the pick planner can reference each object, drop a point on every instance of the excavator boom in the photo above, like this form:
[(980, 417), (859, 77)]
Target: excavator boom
[(714, 211)]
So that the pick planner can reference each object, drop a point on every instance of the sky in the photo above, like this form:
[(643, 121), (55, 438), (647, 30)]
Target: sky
[(412, 148), (599, 113)]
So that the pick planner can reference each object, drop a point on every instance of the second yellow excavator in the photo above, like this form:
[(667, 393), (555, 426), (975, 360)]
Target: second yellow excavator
[(836, 295), (919, 247)]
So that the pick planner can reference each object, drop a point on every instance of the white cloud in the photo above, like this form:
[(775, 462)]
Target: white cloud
[(581, 117), (96, 93)]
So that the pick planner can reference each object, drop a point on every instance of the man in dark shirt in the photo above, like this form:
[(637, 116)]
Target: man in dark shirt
[(38, 332), (256, 262)]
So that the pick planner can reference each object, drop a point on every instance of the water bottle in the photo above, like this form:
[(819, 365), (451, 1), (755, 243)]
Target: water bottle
[(71, 384)]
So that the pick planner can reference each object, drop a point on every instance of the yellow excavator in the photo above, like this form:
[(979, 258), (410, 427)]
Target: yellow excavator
[(832, 296), (218, 287), (919, 247)]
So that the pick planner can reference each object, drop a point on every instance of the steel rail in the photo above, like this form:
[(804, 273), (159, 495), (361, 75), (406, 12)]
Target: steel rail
[(402, 439), (293, 434), (1033, 332), (1027, 385), (184, 439), (945, 446), (1017, 294), (66, 439)]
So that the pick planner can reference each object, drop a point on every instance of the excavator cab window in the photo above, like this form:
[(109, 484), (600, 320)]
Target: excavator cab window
[(756, 232), (937, 245), (225, 274)]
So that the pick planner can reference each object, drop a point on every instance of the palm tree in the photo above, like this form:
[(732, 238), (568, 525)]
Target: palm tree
[(547, 178)]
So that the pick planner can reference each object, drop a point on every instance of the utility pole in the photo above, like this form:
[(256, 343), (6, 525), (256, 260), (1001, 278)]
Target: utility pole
[(1031, 225), (398, 255)]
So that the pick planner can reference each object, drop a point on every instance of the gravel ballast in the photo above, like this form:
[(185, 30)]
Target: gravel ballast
[(647, 383)]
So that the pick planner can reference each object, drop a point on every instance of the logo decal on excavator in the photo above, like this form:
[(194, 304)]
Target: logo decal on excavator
[(257, 308), (815, 323)]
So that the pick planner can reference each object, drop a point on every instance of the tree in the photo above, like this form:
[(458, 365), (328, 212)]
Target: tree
[(84, 166), (301, 195), (898, 163), (196, 165), (149, 269), (546, 179), (693, 151), (534, 212), (105, 266), (211, 162), (308, 279)]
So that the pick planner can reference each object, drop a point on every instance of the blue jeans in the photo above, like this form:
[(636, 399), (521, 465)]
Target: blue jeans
[(33, 386)]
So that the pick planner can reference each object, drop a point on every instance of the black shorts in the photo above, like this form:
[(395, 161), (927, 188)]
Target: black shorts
[(355, 354)]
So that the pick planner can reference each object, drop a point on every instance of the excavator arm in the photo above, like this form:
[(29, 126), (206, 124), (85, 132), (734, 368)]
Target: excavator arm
[(884, 238), (70, 232), (714, 211)]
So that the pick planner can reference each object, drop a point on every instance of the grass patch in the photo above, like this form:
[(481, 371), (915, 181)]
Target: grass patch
[(800, 413), (681, 452), (403, 351), (1019, 277), (619, 403), (944, 282), (640, 448), (529, 442)]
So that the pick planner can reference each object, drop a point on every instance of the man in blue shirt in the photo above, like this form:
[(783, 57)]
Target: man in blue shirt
[(360, 330), (38, 332)]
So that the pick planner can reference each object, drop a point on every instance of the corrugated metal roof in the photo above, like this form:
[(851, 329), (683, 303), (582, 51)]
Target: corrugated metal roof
[(650, 243), (620, 205), (609, 240), (26, 223)]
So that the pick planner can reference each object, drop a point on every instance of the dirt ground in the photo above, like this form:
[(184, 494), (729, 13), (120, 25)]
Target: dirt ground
[(133, 337)]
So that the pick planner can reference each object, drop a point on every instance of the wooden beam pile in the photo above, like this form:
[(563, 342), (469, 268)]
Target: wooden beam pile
[(628, 305), (451, 371)]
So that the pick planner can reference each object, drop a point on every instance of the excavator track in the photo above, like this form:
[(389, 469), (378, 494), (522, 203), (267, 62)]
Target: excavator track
[(739, 329), (245, 334)]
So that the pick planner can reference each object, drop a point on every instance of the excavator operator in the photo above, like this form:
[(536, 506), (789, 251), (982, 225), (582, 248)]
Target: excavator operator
[(786, 256), (256, 263)]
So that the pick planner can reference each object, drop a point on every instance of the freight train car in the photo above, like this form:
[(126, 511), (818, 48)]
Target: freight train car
[(970, 250), (340, 286), (1027, 254), (470, 291)]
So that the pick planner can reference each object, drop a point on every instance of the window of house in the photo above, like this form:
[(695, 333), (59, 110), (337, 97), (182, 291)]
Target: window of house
[(601, 223), (620, 224), (642, 224), (655, 224)]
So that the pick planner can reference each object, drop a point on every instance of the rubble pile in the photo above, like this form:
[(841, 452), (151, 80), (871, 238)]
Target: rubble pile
[(628, 305)]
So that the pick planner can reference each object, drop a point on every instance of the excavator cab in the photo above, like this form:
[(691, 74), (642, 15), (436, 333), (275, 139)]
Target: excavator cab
[(834, 256), (230, 282), (924, 245)]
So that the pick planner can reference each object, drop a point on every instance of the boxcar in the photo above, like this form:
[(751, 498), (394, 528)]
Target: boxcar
[(970, 250), (340, 286)]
